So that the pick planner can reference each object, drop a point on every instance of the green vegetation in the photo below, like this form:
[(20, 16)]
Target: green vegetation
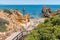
[(7, 11), (2, 25), (49, 30)]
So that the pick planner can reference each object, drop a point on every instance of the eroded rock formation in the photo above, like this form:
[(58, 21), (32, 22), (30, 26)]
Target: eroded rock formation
[(15, 19), (48, 12)]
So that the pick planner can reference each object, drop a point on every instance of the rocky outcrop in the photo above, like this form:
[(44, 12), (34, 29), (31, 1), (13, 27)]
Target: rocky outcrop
[(27, 17), (48, 12), (55, 13), (15, 19)]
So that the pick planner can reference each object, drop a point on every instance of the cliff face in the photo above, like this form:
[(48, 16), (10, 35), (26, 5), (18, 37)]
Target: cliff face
[(48, 12), (15, 19), (24, 19)]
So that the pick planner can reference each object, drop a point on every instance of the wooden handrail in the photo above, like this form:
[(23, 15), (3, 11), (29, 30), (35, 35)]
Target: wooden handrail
[(18, 36)]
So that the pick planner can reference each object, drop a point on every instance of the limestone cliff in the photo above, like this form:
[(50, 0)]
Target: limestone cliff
[(15, 19)]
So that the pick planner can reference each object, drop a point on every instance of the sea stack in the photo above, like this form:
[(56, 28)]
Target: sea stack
[(46, 11)]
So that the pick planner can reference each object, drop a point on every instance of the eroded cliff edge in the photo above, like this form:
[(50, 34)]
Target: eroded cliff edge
[(15, 18)]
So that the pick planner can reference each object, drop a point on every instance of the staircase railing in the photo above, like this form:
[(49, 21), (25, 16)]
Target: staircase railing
[(18, 35)]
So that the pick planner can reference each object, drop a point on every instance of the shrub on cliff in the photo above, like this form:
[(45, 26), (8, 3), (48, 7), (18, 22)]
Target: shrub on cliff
[(56, 20), (7, 11), (2, 25)]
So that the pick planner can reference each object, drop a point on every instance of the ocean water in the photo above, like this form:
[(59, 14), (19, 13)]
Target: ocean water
[(33, 10)]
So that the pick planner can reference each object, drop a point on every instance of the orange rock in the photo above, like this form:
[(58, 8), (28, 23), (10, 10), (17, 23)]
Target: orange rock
[(27, 17), (24, 19)]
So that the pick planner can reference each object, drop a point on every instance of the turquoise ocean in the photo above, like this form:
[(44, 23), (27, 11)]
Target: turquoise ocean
[(35, 11)]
